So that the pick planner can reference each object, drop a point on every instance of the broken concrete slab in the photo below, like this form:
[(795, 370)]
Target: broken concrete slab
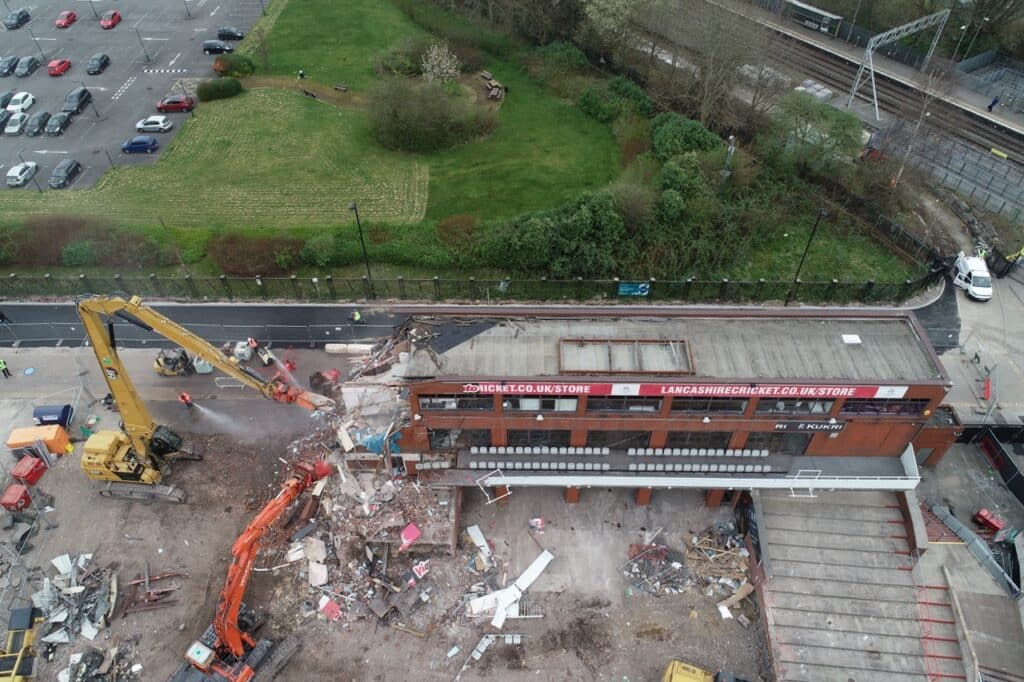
[(59, 637), (477, 536), (295, 552), (63, 564), (501, 600), (89, 631), (317, 574), (314, 549)]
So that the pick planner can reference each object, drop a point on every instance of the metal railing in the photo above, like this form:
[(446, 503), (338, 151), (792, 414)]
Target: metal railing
[(333, 289)]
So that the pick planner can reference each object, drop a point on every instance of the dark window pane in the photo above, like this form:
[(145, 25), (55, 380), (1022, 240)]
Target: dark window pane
[(557, 439), (769, 406), (618, 440), (777, 443), (878, 406), (705, 405), (623, 404), (698, 439), (458, 439), (433, 403), (540, 403)]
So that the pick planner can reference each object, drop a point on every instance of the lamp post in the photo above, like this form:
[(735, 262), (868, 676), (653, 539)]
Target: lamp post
[(853, 21), (93, 103), (971, 46), (963, 32), (139, 36), (263, 7), (95, 14), (359, 226), (189, 14), (796, 278), (37, 44)]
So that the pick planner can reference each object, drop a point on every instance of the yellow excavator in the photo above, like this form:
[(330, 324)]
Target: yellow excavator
[(133, 460)]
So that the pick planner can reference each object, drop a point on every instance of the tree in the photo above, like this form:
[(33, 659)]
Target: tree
[(612, 26), (440, 64), (811, 136)]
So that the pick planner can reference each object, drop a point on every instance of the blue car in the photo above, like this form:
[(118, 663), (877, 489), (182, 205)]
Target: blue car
[(139, 144)]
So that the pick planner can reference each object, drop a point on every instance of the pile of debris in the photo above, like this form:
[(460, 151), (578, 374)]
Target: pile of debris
[(78, 600), (657, 570), (109, 665), (719, 560)]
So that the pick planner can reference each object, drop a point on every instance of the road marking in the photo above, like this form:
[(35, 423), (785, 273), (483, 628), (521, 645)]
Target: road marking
[(41, 38), (214, 10), (47, 151), (201, 3), (151, 71), (174, 60), (127, 84), (161, 39)]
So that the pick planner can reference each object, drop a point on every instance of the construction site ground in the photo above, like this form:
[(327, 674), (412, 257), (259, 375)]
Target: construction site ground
[(593, 626)]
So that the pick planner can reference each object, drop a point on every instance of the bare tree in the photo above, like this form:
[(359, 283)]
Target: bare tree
[(936, 82)]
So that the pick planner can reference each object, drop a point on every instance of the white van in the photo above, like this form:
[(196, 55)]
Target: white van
[(970, 273)]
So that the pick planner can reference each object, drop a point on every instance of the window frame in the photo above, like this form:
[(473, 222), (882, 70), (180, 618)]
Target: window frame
[(709, 402)]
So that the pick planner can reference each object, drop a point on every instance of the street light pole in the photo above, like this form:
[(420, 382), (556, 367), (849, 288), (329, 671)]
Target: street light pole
[(853, 21), (366, 259), (186, 9), (91, 101), (95, 14), (37, 44), (139, 36), (822, 213), (971, 46), (262, 7), (963, 32)]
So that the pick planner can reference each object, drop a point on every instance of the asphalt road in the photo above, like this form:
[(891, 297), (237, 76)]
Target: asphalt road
[(130, 87), (280, 325)]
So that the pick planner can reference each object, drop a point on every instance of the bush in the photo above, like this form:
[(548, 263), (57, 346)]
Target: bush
[(671, 135), (561, 58), (455, 29), (594, 102), (634, 202), (421, 117), (233, 64), (241, 254), (318, 251), (220, 88), (632, 93), (77, 254), (284, 257), (671, 207), (684, 175), (457, 231), (404, 60), (471, 57)]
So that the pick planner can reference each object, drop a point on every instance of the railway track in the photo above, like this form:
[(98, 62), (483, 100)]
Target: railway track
[(897, 98)]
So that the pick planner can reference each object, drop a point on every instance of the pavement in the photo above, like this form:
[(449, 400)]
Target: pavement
[(152, 50)]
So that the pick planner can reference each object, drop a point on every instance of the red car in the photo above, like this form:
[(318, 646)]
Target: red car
[(57, 67), (175, 103), (110, 19), (66, 18)]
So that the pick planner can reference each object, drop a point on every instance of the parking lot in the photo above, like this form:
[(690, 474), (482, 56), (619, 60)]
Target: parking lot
[(153, 50)]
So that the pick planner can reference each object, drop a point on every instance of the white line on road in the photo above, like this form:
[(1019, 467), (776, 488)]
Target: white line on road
[(47, 151), (40, 38), (174, 60), (127, 84), (162, 39), (214, 10)]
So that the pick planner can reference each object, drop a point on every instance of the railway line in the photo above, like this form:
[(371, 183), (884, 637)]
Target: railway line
[(897, 98)]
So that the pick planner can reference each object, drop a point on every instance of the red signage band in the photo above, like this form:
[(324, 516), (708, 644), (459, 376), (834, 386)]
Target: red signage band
[(686, 390)]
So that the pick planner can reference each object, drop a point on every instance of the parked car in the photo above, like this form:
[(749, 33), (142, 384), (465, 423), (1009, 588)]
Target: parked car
[(5, 98), (16, 123), (140, 144), (20, 175), (154, 124), (97, 64), (58, 123), (26, 67), (22, 101), (76, 100), (8, 65), (66, 18), (37, 123), (58, 67), (229, 33), (176, 103), (65, 173), (971, 274), (217, 47), (17, 18), (110, 19)]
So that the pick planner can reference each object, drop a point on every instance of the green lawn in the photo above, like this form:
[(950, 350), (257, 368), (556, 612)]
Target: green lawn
[(266, 159)]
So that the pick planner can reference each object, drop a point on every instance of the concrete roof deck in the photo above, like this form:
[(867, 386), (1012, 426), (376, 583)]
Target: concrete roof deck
[(784, 347)]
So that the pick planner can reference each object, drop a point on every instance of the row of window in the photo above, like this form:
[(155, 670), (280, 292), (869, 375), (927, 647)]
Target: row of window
[(852, 406), (773, 441)]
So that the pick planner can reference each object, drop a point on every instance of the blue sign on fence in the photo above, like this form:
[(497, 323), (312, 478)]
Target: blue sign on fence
[(634, 288)]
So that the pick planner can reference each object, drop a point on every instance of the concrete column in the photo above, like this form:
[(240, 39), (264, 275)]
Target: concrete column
[(714, 497), (643, 496), (572, 495)]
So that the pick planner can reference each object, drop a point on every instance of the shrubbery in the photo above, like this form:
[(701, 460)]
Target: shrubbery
[(54, 240), (671, 135), (406, 59), (218, 88), (242, 254), (561, 58), (608, 100), (233, 64), (422, 117), (78, 254)]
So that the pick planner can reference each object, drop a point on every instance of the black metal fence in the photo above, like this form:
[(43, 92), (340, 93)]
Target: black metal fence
[(442, 289), (1002, 462)]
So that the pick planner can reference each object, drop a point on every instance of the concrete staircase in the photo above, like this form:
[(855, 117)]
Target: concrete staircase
[(841, 602)]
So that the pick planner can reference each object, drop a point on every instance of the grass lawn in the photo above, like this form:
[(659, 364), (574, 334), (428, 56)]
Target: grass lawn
[(266, 159)]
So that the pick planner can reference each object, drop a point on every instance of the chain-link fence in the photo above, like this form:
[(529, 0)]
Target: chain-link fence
[(332, 289)]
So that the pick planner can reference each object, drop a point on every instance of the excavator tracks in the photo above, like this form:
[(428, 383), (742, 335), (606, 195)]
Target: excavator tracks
[(283, 652), (147, 493)]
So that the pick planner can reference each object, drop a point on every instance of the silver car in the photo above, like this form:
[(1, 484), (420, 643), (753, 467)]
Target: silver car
[(22, 173)]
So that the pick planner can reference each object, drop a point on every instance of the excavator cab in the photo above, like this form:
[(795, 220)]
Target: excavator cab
[(173, 362)]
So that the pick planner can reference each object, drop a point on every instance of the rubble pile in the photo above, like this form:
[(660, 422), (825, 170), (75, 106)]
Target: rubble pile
[(657, 569), (104, 665), (717, 556), (79, 599)]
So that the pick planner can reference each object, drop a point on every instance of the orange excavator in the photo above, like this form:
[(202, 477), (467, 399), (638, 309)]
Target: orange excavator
[(228, 651)]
